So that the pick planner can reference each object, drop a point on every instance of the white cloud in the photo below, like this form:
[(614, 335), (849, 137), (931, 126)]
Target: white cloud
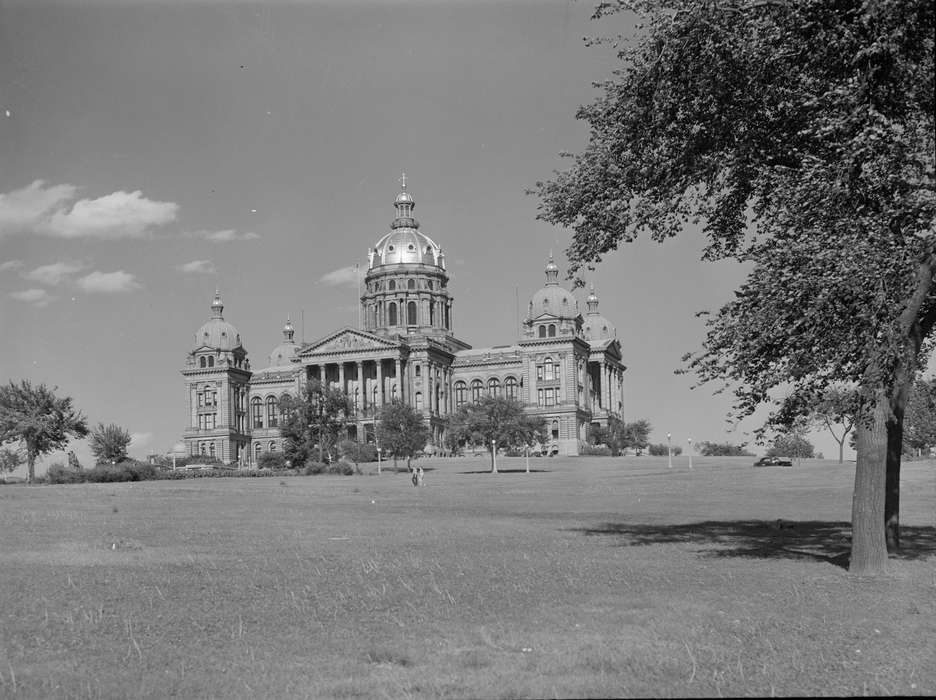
[(342, 276), (27, 208), (108, 282), (37, 208), (54, 273), (116, 215), (200, 267), (38, 297), (223, 236), (12, 265)]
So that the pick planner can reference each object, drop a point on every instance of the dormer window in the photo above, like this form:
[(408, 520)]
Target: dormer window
[(202, 362), (211, 362)]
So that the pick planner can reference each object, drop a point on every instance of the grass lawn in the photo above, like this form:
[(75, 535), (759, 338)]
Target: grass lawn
[(589, 577)]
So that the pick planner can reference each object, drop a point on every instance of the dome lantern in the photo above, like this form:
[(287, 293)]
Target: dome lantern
[(552, 272)]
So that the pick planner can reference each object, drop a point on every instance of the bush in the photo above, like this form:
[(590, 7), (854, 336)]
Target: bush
[(342, 467), (58, 473), (130, 470), (660, 450), (357, 452), (723, 449), (596, 450), (272, 460), (312, 467)]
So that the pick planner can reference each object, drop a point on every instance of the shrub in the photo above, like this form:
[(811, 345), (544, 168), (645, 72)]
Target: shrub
[(660, 450), (272, 460), (596, 450), (312, 467), (343, 467), (58, 473)]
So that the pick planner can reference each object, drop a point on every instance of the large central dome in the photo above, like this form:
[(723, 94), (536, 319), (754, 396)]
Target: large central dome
[(405, 243)]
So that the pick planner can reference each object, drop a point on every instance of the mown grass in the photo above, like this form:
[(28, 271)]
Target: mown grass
[(590, 577)]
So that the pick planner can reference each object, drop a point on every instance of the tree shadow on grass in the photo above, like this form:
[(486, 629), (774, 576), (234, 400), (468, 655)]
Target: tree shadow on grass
[(778, 539), (507, 471)]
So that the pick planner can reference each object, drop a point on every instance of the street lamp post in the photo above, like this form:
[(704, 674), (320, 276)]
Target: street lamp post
[(378, 458), (493, 456), (527, 459), (669, 449), (690, 452)]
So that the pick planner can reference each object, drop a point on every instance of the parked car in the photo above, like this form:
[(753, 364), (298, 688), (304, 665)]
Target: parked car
[(773, 462)]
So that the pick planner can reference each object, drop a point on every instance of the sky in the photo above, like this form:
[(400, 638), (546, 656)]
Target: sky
[(152, 152)]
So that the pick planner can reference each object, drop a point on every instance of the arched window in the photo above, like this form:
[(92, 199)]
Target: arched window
[(271, 412), (477, 386), (418, 370), (258, 450), (211, 362), (542, 331), (510, 387), (494, 386), (272, 446), (391, 313), (555, 430), (461, 394), (552, 330), (202, 448), (211, 449), (419, 401), (411, 284), (391, 285), (411, 313), (429, 285), (285, 410), (256, 404), (202, 361), (548, 369)]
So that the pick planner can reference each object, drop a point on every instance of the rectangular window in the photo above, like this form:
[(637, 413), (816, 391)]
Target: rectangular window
[(539, 371), (550, 397), (539, 397), (201, 399)]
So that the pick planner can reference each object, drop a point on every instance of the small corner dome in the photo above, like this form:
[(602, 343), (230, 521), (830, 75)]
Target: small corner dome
[(555, 301), (283, 354), (597, 327)]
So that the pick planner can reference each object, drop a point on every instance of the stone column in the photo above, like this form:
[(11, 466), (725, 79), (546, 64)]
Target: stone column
[(341, 377), (399, 378), (427, 385), (360, 387), (380, 394), (562, 379)]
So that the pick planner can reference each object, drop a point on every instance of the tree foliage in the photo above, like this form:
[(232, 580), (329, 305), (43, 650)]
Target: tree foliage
[(498, 420), (10, 459), (401, 431), (109, 443), (37, 418), (801, 135), (723, 449), (793, 445), (920, 418), (314, 422)]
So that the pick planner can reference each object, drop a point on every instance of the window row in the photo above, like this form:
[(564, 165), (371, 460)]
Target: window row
[(548, 370), (474, 391), (206, 361), (274, 414), (410, 284)]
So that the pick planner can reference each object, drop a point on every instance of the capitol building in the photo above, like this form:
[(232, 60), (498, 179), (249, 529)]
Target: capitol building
[(564, 366)]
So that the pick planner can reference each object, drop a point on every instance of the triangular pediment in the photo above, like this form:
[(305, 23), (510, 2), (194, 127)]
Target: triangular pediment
[(608, 346), (348, 340)]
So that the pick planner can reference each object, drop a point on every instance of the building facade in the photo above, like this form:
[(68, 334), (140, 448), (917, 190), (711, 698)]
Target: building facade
[(564, 367)]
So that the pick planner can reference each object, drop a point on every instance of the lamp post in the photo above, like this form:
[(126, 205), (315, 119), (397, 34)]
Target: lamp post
[(378, 458), (669, 449), (690, 452), (527, 459), (493, 456)]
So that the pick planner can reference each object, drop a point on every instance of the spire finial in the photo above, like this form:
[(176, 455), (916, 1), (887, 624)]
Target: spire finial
[(217, 306), (402, 180)]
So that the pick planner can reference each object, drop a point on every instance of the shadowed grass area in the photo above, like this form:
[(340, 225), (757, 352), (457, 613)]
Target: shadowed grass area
[(600, 577)]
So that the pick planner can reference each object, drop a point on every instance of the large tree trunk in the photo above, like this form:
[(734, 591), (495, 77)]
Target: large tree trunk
[(869, 549), (30, 468), (892, 496)]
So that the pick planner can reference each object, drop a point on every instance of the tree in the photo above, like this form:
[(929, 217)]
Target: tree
[(803, 139), (40, 420), (723, 449), (793, 445), (920, 418), (635, 435), (10, 459), (313, 422), (109, 443), (496, 422), (401, 431), (838, 407), (663, 450)]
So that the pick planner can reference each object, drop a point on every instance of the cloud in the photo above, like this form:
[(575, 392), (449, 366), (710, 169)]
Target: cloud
[(223, 236), (342, 276), (37, 208), (37, 297), (12, 265), (199, 267), (108, 282), (54, 273), (116, 215), (27, 208)]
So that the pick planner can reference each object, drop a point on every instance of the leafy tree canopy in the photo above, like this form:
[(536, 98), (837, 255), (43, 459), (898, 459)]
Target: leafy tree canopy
[(10, 459), (109, 443), (498, 420), (801, 135), (920, 418), (314, 422), (40, 420), (723, 449), (401, 431)]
